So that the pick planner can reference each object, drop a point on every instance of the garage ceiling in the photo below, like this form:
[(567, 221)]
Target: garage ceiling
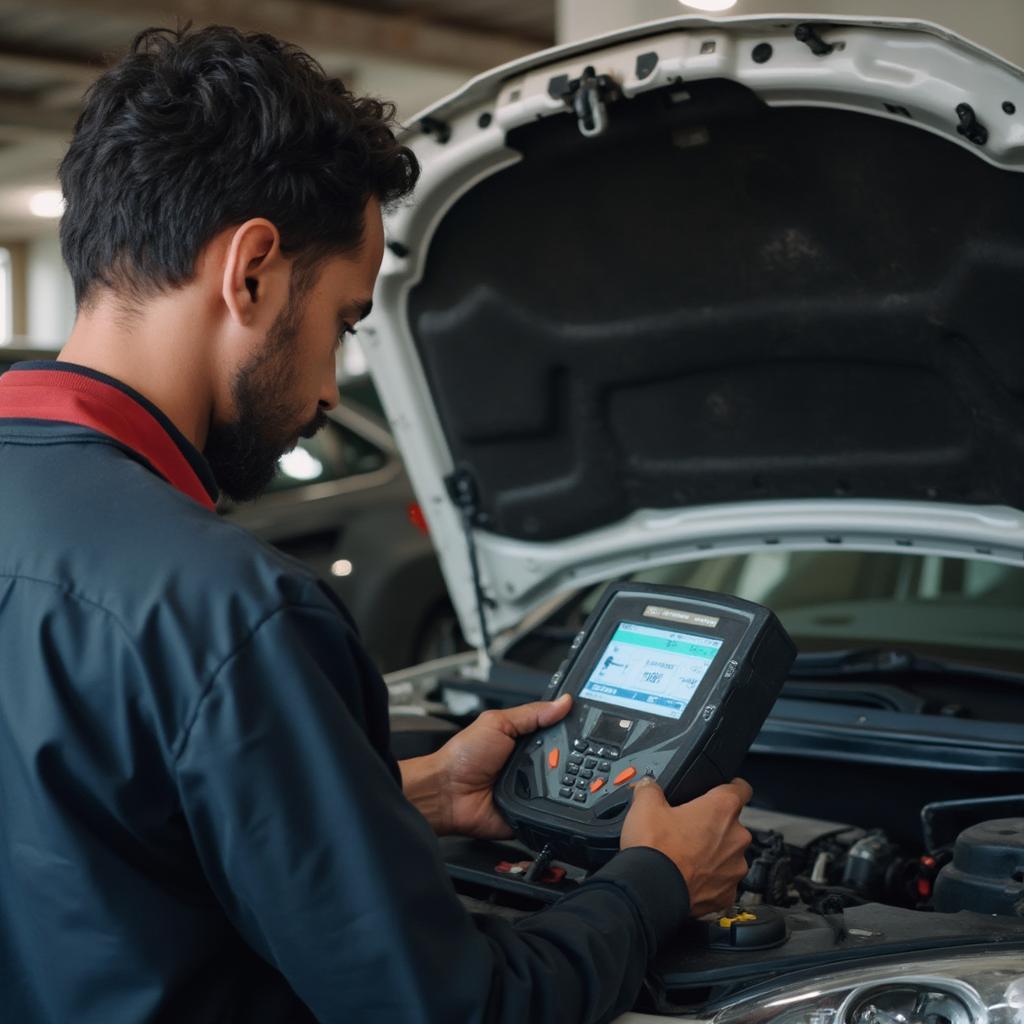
[(410, 50)]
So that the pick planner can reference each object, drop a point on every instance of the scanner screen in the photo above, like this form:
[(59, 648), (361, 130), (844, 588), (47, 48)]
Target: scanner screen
[(645, 668)]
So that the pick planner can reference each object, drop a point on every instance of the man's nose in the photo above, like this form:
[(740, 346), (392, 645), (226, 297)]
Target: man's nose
[(329, 396)]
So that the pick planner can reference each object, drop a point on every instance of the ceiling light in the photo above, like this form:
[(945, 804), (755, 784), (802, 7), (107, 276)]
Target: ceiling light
[(342, 567), (709, 5), (48, 203)]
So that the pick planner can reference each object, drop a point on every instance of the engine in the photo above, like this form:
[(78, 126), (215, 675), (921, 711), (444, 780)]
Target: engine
[(824, 867)]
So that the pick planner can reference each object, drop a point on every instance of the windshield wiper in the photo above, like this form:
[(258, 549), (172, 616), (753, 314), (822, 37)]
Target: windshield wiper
[(888, 661)]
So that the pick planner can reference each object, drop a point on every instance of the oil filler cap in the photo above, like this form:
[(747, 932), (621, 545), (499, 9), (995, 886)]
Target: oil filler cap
[(748, 928)]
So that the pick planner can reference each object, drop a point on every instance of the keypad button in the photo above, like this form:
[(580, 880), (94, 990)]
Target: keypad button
[(567, 780), (575, 759), (596, 785), (601, 752), (565, 791), (612, 752), (625, 775), (604, 766), (591, 762), (581, 783), (579, 744), (572, 769), (580, 797), (586, 774)]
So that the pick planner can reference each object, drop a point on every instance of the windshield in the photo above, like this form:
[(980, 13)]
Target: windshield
[(966, 610)]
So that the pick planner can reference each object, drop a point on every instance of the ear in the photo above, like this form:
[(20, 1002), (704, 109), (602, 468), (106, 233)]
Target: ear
[(256, 276)]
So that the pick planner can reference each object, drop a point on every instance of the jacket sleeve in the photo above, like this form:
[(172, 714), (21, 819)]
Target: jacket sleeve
[(332, 876)]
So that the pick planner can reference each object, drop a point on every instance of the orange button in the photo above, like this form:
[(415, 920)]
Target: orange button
[(596, 785), (624, 776), (553, 758)]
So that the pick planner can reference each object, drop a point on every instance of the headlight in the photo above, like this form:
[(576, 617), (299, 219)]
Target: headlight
[(969, 989)]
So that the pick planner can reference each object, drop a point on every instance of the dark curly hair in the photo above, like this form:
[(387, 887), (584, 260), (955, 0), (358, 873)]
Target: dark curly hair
[(197, 130)]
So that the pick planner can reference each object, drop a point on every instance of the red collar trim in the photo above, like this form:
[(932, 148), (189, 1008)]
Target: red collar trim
[(68, 397)]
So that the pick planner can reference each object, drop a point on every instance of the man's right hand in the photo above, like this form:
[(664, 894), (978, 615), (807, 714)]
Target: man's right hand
[(703, 838)]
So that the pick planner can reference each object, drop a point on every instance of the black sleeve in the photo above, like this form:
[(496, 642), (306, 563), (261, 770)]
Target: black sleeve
[(330, 874)]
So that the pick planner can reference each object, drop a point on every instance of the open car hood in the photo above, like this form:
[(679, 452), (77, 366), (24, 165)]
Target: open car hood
[(707, 285)]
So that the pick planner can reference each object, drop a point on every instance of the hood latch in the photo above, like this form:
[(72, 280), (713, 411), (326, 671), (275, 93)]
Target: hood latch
[(587, 96)]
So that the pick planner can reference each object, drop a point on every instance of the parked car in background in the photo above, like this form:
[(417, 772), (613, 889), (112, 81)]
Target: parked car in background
[(341, 503), (733, 304)]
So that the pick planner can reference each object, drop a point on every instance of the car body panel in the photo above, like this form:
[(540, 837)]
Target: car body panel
[(906, 77)]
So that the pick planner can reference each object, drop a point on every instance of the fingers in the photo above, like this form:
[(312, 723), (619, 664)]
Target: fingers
[(729, 797), (744, 788), (538, 714), (552, 711), (647, 793)]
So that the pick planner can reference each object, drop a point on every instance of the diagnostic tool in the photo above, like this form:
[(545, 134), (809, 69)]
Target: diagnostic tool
[(666, 681)]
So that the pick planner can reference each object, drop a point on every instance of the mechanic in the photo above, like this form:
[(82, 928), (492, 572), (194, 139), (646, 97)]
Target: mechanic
[(201, 820)]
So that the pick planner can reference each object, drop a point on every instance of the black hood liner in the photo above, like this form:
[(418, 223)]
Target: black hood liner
[(717, 301)]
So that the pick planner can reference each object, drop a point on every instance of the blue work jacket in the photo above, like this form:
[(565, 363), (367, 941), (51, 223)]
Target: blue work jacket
[(200, 818)]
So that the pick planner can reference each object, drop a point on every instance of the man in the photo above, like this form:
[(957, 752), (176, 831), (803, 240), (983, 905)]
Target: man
[(200, 819)]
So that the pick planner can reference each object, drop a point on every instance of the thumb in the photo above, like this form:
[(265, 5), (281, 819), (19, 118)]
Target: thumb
[(647, 793), (537, 715)]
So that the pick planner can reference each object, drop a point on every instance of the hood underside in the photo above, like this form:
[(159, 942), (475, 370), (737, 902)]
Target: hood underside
[(722, 298)]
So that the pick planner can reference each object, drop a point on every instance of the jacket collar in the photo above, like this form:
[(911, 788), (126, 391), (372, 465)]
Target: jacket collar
[(68, 393)]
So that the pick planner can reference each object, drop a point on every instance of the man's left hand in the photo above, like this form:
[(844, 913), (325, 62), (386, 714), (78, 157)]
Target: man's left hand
[(453, 787)]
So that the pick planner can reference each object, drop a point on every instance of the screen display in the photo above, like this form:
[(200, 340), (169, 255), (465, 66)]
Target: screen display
[(644, 668)]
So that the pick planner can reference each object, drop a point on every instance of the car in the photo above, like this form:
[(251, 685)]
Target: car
[(341, 503), (732, 304)]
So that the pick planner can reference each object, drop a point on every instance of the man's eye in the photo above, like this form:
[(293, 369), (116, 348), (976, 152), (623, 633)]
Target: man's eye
[(346, 329)]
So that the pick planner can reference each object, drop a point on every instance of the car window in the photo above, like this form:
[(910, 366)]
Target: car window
[(333, 453)]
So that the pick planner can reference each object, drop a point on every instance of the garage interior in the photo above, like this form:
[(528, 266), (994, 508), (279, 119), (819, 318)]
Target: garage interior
[(888, 815)]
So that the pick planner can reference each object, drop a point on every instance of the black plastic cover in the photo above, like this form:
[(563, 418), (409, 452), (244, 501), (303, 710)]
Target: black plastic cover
[(987, 873)]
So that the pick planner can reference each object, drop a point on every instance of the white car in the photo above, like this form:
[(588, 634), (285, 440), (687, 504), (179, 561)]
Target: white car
[(736, 304)]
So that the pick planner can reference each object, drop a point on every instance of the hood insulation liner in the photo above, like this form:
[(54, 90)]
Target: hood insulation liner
[(717, 301)]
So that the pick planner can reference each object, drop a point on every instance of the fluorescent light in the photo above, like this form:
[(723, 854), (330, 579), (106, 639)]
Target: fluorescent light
[(48, 203), (709, 5)]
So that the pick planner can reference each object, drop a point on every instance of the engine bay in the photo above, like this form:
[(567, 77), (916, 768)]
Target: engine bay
[(817, 893)]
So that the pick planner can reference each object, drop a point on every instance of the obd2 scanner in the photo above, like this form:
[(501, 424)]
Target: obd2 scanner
[(666, 681)]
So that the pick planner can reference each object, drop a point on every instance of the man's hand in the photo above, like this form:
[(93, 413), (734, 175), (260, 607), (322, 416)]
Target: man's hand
[(703, 838), (453, 786)]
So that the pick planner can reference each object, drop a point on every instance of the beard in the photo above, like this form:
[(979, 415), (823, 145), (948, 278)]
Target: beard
[(243, 453)]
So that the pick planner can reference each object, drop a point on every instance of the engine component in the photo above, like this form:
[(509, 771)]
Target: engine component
[(771, 871), (867, 865), (943, 820), (763, 928), (987, 872)]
